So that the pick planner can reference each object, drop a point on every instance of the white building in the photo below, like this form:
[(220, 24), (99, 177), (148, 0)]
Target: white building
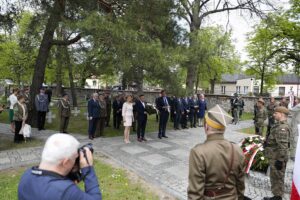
[(93, 83), (237, 83), (285, 84), (242, 84)]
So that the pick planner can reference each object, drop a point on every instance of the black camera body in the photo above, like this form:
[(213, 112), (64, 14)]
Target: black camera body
[(75, 174)]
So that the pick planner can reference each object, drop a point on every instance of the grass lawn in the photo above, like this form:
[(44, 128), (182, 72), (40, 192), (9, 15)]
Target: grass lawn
[(7, 143), (251, 130), (247, 116), (114, 183), (79, 124)]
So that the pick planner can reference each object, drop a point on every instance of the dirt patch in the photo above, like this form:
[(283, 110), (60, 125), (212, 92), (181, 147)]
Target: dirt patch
[(135, 179)]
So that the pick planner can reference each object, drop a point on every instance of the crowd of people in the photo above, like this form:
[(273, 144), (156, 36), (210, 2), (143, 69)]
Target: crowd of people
[(206, 178)]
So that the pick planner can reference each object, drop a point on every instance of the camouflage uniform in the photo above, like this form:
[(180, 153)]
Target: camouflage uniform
[(271, 120), (260, 117), (277, 151), (64, 112)]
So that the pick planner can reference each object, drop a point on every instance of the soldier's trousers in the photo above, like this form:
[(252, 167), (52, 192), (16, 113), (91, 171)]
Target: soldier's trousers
[(64, 122), (259, 129), (277, 179)]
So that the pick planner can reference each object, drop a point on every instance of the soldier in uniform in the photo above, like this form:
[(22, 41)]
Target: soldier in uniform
[(270, 108), (208, 180), (260, 117), (277, 151), (64, 111)]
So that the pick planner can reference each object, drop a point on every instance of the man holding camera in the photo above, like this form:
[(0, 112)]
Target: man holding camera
[(52, 180)]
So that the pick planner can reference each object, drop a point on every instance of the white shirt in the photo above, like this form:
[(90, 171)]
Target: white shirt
[(12, 100)]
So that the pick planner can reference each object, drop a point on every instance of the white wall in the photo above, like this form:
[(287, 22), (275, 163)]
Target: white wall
[(92, 84), (275, 91), (230, 88)]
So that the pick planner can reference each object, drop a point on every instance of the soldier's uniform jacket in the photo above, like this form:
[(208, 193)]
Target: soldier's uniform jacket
[(261, 116), (278, 142), (208, 166), (103, 109), (64, 108), (270, 109)]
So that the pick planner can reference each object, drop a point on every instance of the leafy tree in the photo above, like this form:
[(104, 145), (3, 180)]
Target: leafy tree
[(195, 12)]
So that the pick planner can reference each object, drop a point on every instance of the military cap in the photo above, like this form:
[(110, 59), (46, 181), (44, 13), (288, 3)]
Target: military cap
[(261, 100), (217, 118), (282, 109)]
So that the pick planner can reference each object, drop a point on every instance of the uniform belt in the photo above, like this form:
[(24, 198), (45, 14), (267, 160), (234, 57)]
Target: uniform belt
[(216, 192)]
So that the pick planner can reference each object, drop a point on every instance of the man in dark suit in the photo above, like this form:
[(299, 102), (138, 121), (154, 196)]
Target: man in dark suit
[(117, 112), (184, 116), (193, 111), (163, 106), (141, 116), (93, 114), (178, 111)]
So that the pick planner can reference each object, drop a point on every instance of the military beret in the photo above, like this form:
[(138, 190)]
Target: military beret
[(217, 118), (282, 109)]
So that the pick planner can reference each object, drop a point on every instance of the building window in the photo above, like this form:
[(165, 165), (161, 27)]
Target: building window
[(238, 89), (223, 89), (281, 91), (246, 89), (94, 83)]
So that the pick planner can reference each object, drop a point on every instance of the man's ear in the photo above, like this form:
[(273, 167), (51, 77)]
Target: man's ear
[(65, 162)]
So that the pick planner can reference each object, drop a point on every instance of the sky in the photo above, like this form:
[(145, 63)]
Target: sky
[(241, 25)]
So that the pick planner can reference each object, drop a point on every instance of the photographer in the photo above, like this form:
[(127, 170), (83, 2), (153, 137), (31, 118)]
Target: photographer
[(50, 179)]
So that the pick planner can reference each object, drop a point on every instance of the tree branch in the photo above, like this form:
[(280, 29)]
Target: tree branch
[(186, 8), (66, 42)]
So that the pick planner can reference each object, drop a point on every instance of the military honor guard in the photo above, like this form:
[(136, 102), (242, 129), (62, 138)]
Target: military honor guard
[(260, 117), (64, 111), (270, 109), (216, 167), (277, 151)]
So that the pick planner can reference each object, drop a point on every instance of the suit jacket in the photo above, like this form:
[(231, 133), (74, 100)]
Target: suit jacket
[(117, 106), (160, 103), (178, 106), (93, 108), (140, 110)]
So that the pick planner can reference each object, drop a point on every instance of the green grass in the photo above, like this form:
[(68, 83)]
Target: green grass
[(7, 143), (247, 116), (114, 183), (251, 130), (79, 124)]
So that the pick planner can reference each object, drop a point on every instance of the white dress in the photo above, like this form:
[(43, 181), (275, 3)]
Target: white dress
[(127, 113)]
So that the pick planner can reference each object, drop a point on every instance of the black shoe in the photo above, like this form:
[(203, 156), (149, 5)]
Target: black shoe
[(144, 139), (273, 198), (165, 136), (159, 137)]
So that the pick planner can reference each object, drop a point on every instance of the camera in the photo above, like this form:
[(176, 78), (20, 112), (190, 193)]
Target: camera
[(75, 174)]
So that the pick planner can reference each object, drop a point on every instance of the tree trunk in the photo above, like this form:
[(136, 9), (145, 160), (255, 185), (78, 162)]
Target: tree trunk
[(212, 85), (139, 79), (59, 65), (262, 79), (41, 61), (69, 65)]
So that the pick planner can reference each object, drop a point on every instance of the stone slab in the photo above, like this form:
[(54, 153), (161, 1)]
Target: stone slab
[(134, 149), (158, 145), (155, 159)]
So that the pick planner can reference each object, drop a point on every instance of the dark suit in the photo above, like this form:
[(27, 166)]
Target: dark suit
[(94, 112), (162, 103), (141, 117), (184, 116), (117, 113), (178, 109), (193, 112)]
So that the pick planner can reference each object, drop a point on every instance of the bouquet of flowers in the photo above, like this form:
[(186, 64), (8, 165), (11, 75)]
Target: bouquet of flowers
[(255, 159)]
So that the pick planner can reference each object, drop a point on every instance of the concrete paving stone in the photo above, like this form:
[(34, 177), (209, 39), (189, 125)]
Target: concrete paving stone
[(133, 149), (179, 153), (158, 145), (155, 159), (179, 171)]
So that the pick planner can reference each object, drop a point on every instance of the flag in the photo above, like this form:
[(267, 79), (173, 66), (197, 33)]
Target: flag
[(295, 194)]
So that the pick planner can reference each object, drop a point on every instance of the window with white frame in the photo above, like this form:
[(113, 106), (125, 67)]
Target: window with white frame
[(238, 89), (281, 91), (246, 89)]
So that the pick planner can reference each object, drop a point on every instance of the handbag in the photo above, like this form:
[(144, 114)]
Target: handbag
[(26, 131)]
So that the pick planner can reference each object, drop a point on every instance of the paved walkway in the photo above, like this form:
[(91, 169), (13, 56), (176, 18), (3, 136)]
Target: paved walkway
[(163, 162)]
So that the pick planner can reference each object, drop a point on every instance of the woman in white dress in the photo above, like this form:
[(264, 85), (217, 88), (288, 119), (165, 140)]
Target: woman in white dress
[(127, 114)]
